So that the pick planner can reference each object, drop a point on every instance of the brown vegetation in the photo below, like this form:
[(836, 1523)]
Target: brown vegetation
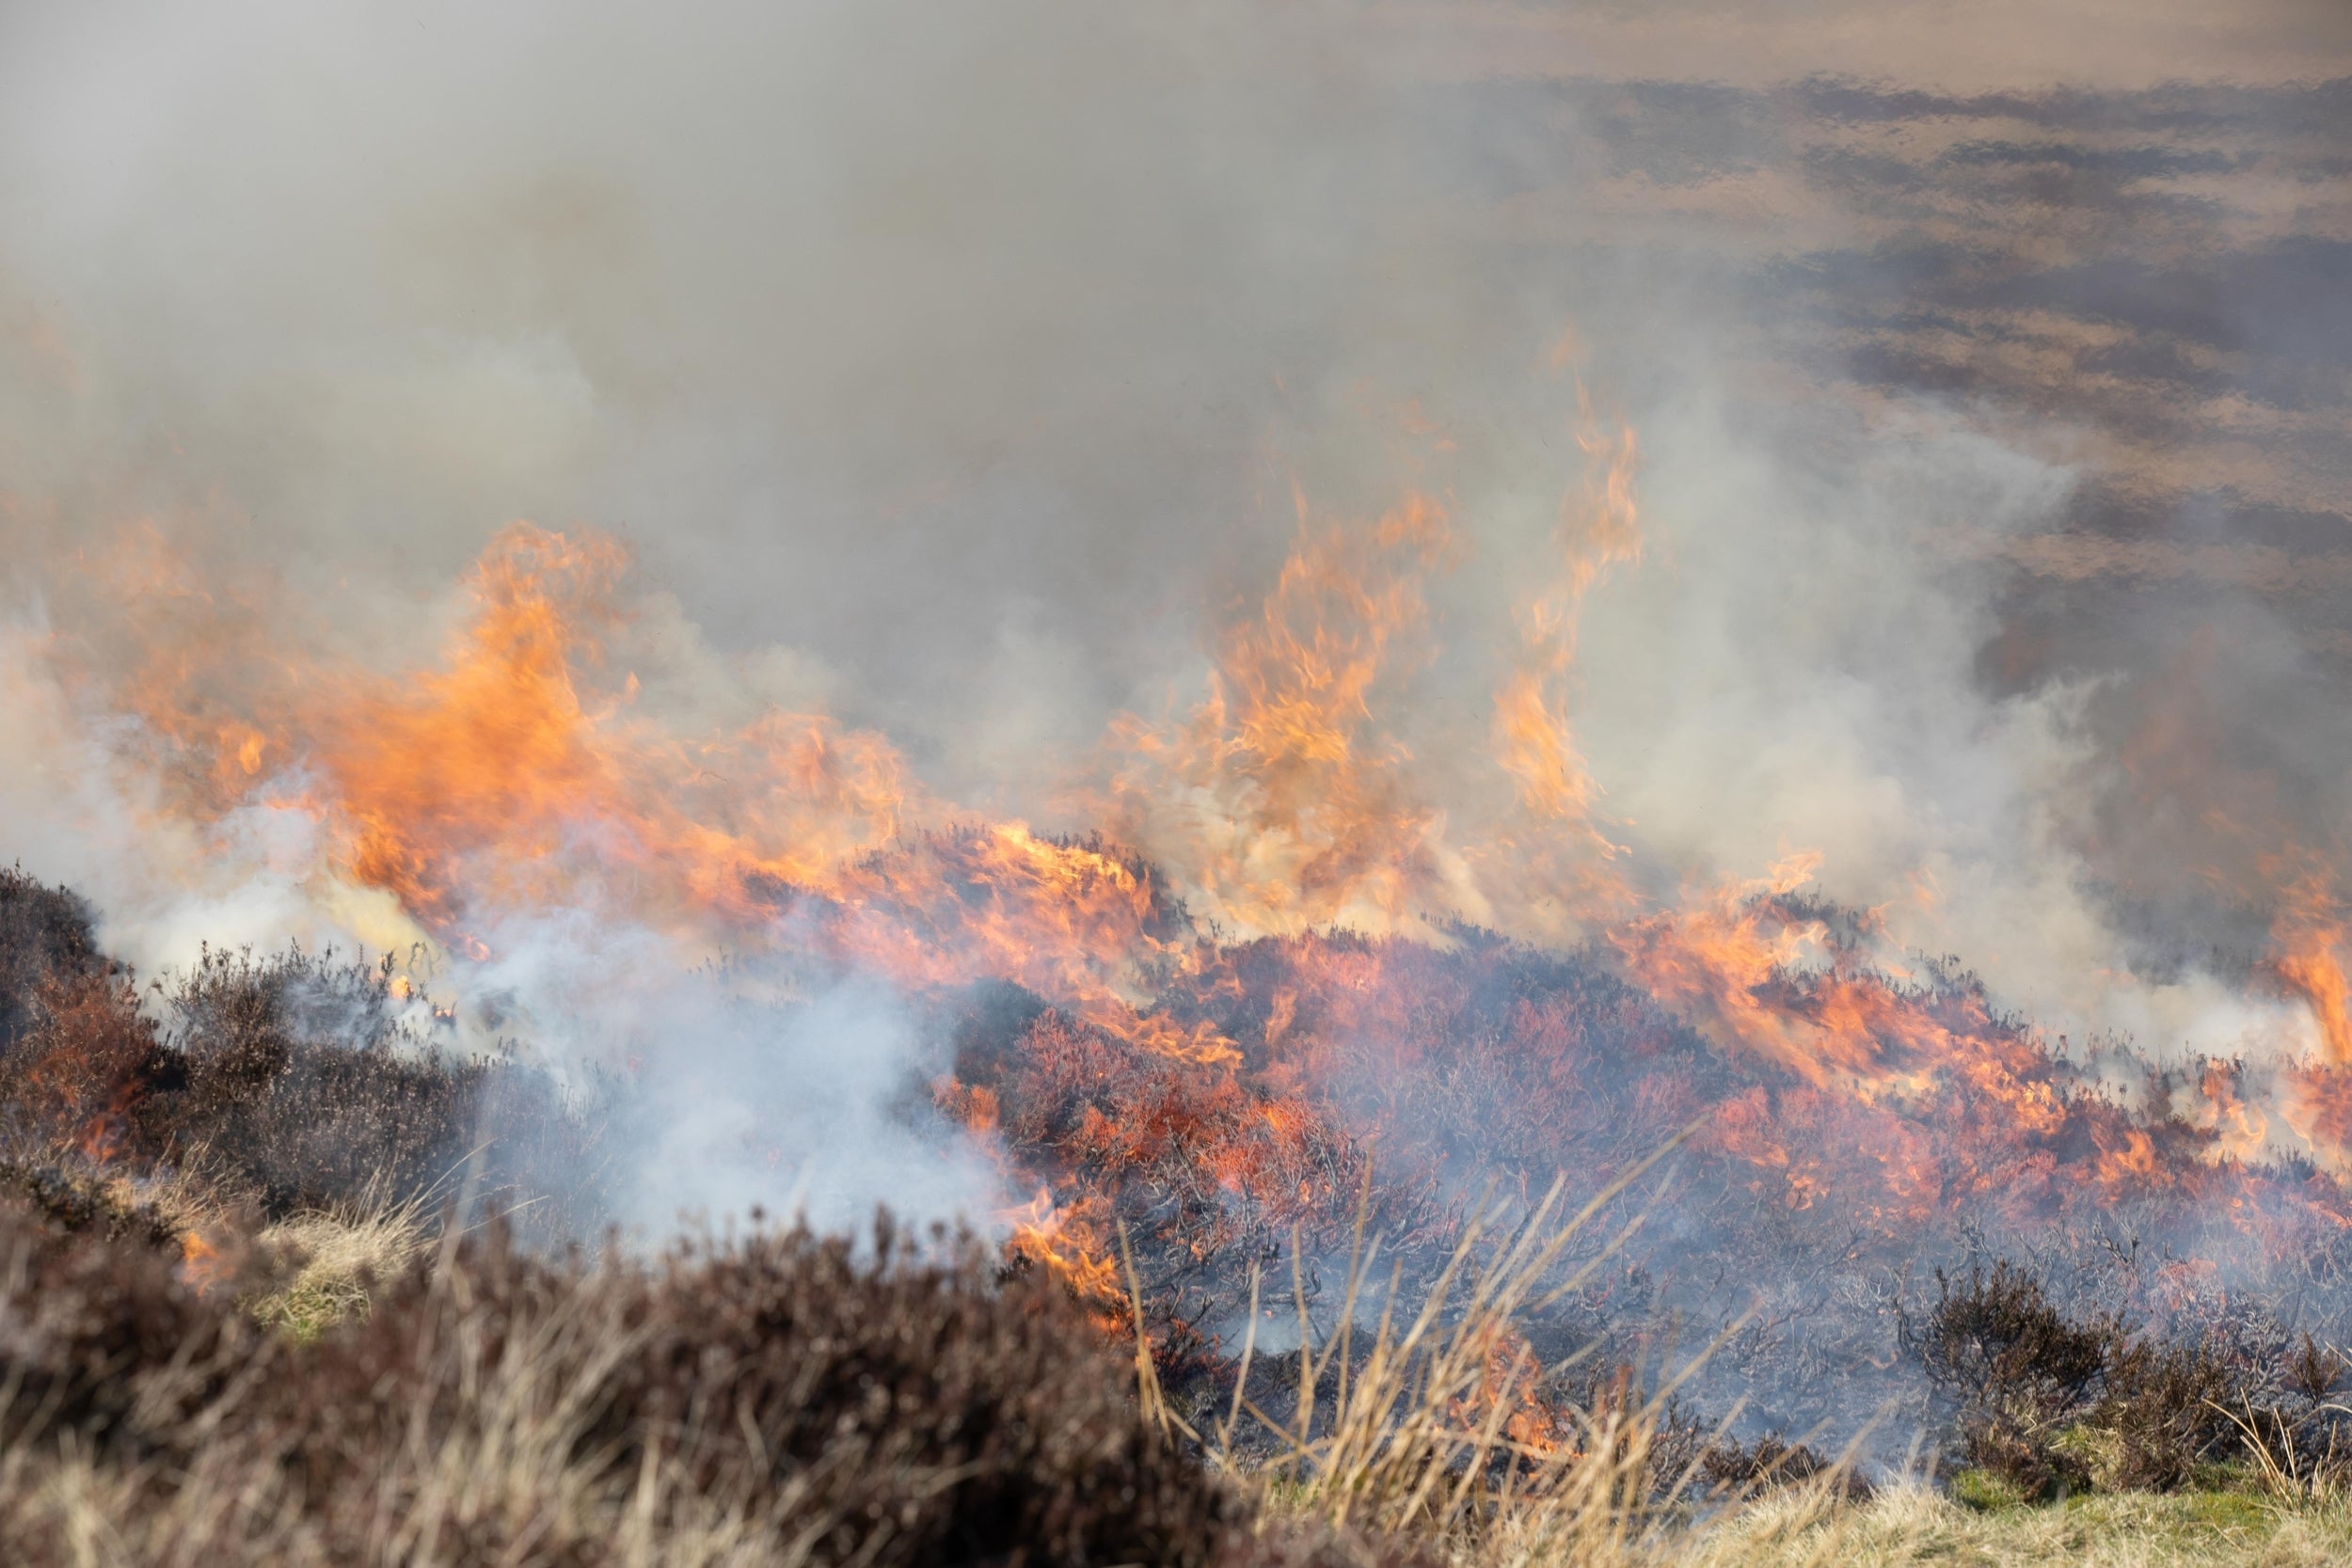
[(2052, 1404), (779, 1398)]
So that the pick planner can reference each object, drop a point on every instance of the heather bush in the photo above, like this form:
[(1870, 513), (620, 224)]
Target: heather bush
[(1730, 1468), (287, 1083), (44, 936), (794, 1398), (2051, 1402)]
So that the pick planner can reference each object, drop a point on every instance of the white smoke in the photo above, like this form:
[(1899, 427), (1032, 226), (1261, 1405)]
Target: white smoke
[(949, 367)]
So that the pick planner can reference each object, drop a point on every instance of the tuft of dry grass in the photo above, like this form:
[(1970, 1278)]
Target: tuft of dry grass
[(323, 1267), (1435, 1425)]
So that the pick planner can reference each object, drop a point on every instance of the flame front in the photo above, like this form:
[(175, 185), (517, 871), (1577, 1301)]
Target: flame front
[(1210, 1025)]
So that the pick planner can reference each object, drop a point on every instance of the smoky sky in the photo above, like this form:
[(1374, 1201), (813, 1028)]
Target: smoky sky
[(1995, 386)]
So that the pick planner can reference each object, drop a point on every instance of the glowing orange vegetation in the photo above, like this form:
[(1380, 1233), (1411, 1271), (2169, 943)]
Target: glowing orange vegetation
[(1726, 962)]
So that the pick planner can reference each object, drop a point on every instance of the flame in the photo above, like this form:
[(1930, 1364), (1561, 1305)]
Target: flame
[(1065, 1241), (1280, 800), (2309, 933), (202, 1266), (1721, 960), (482, 780), (102, 1141), (1563, 862), (1230, 1003)]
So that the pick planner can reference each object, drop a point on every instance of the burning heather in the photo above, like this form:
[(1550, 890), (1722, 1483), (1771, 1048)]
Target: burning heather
[(1285, 1001), (1514, 757)]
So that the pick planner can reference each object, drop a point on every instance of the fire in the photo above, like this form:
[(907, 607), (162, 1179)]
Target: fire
[(1279, 798), (1070, 921), (1563, 864), (1294, 948), (1063, 1241), (498, 779), (2309, 933), (202, 1266)]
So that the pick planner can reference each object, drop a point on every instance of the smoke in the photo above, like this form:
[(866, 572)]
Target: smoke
[(950, 370)]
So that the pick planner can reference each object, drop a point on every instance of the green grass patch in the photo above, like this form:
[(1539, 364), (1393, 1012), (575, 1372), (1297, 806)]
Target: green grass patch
[(1986, 1492)]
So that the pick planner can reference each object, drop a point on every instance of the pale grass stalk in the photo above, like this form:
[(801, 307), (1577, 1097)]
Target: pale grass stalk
[(1909, 1525), (336, 1255), (1407, 1429), (2291, 1480)]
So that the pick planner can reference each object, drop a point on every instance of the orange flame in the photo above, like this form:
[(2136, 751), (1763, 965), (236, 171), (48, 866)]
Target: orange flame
[(1281, 800), (1562, 858), (202, 1266), (1064, 1241), (523, 770)]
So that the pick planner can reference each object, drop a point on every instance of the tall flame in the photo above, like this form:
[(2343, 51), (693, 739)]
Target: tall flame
[(1562, 863), (1279, 798)]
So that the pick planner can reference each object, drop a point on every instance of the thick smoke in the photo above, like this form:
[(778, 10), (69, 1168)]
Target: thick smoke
[(951, 369)]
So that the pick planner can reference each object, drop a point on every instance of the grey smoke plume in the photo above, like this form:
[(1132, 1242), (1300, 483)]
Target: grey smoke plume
[(951, 367)]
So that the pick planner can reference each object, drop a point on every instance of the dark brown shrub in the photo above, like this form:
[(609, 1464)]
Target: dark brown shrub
[(2018, 1368), (102, 1345), (1996, 1341), (2311, 1370), (496, 1407), (44, 936), (2049, 1402), (2165, 1404), (291, 1077)]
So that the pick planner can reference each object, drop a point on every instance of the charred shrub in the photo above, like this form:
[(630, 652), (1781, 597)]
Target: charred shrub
[(1730, 1468), (2047, 1402), (1996, 1339), (293, 1076), (2018, 1368), (291, 1081), (2291, 1421), (44, 939), (2164, 1405)]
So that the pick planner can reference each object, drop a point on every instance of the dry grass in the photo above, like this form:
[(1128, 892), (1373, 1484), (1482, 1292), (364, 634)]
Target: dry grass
[(323, 1266), (1433, 1425), (780, 1400), (1909, 1525)]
